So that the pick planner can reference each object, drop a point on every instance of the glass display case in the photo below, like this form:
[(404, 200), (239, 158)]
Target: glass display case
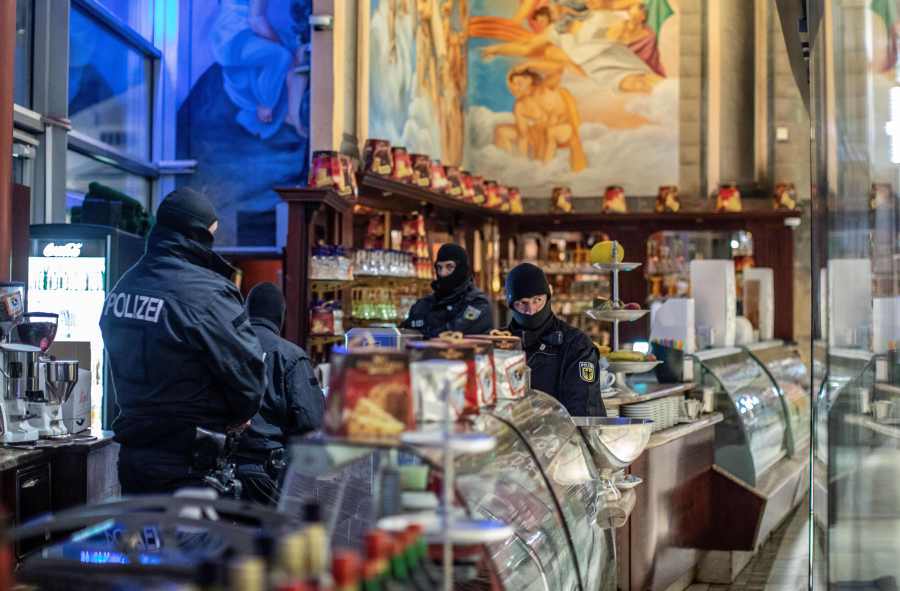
[(669, 255), (539, 479), (784, 365), (752, 438)]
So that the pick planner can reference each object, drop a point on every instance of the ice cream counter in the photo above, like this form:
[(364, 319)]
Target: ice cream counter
[(560, 482)]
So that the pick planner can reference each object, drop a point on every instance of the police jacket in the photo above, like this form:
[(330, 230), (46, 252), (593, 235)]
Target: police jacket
[(180, 345), (293, 403), (565, 364), (466, 310)]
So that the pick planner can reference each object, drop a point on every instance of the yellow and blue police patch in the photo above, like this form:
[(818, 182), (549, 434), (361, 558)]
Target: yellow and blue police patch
[(586, 371)]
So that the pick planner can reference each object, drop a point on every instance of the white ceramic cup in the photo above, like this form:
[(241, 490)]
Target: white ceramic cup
[(690, 408), (606, 379), (881, 409)]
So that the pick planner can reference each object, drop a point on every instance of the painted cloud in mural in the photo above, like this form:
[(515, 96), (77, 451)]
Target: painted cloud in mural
[(396, 112)]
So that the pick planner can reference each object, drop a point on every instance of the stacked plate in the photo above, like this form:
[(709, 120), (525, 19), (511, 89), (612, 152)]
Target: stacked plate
[(612, 411), (663, 412)]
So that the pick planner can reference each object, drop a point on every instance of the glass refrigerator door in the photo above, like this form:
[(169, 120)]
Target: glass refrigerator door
[(75, 288)]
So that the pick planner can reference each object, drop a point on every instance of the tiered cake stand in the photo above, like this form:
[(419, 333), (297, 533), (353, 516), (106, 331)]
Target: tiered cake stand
[(621, 368)]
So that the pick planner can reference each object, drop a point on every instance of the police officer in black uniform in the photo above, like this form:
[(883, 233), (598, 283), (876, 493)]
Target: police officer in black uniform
[(182, 352), (456, 304), (292, 405), (564, 361)]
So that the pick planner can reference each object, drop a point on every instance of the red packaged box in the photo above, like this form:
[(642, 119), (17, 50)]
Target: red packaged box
[(421, 170), (468, 186), (326, 171), (509, 363), (454, 181), (377, 157), (370, 395), (438, 176), (402, 169), (480, 190), (515, 201), (480, 391), (492, 195)]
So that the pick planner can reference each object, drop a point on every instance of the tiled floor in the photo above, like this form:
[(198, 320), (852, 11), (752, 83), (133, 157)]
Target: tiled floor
[(781, 565)]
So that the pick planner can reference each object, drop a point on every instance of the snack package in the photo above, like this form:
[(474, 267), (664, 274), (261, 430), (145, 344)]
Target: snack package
[(377, 157), (431, 380), (326, 172), (476, 355), (438, 176), (515, 201), (370, 395), (454, 181), (510, 367), (421, 170), (402, 169)]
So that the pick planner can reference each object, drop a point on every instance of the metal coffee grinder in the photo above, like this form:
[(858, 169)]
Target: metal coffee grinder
[(19, 381), (55, 379), (18, 369)]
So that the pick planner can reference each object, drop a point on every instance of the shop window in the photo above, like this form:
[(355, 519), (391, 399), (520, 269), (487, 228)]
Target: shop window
[(24, 34), (137, 14), (109, 87), (82, 170)]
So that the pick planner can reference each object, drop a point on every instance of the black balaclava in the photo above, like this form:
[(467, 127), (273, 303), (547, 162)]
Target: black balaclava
[(189, 213), (444, 286), (266, 301), (526, 281)]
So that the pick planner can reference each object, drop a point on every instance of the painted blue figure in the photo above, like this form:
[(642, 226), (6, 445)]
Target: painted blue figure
[(265, 63)]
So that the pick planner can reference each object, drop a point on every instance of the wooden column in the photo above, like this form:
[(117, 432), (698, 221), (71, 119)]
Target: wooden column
[(7, 57)]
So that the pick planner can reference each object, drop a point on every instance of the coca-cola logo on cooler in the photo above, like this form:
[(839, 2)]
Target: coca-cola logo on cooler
[(68, 250)]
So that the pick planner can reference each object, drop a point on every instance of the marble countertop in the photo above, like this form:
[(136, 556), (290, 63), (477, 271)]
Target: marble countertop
[(13, 456), (678, 431), (648, 392)]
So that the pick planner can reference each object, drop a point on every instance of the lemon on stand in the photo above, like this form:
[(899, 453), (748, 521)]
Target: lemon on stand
[(602, 252)]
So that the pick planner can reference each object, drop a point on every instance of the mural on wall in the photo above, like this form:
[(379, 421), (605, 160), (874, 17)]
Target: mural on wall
[(244, 108), (582, 93), (418, 75)]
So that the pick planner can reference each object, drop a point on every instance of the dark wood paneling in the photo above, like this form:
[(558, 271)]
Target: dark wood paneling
[(21, 221), (673, 510)]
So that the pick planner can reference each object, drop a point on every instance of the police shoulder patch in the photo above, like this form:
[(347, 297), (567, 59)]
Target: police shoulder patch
[(586, 371), (471, 313)]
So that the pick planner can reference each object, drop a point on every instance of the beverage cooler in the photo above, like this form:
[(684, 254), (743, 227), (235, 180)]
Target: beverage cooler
[(71, 268)]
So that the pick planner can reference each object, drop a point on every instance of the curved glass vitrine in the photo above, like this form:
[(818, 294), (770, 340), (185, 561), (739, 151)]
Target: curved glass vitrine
[(752, 438), (791, 376)]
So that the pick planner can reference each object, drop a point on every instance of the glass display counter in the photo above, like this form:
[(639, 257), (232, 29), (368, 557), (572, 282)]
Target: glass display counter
[(784, 365), (752, 438), (539, 479)]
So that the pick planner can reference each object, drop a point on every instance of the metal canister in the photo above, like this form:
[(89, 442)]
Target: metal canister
[(421, 170)]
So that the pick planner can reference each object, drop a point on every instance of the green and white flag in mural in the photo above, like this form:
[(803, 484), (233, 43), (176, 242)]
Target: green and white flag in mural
[(657, 13), (886, 9)]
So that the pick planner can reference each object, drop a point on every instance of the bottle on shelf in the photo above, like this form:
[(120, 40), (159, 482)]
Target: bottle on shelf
[(316, 545), (345, 571), (418, 548), (247, 574), (371, 576)]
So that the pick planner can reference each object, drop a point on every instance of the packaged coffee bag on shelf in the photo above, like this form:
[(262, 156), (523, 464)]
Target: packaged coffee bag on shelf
[(475, 354)]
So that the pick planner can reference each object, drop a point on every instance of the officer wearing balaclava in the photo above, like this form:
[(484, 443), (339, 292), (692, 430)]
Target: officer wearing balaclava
[(564, 361), (292, 405), (181, 348), (456, 304)]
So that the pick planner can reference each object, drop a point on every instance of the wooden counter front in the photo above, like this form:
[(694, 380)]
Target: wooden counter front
[(658, 545)]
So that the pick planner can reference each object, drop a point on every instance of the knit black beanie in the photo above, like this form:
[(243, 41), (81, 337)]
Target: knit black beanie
[(188, 212), (265, 301), (526, 281), (451, 252)]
